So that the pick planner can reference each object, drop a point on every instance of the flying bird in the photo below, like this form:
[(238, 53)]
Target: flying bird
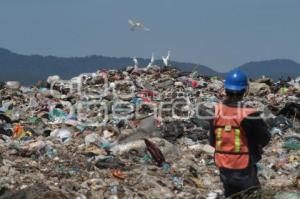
[(136, 25), (166, 60)]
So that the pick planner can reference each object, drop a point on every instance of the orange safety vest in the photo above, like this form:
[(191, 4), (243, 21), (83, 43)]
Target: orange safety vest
[(232, 151)]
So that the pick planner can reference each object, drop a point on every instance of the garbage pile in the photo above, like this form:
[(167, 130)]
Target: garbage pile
[(134, 134)]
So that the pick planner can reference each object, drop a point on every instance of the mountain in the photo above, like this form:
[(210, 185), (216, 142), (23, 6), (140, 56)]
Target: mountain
[(30, 68), (276, 68)]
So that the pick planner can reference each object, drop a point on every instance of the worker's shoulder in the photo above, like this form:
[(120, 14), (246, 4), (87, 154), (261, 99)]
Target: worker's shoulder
[(254, 119)]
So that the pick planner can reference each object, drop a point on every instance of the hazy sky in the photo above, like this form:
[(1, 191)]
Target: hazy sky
[(217, 33)]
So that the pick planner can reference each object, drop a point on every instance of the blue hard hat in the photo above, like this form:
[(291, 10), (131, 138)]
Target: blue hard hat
[(236, 81)]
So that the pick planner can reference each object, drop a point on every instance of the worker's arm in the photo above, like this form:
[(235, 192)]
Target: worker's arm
[(257, 129), (261, 130), (208, 115), (212, 137), (258, 135)]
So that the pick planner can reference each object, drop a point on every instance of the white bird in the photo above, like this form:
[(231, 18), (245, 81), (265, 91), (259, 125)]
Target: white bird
[(151, 63), (136, 63), (135, 25), (166, 60)]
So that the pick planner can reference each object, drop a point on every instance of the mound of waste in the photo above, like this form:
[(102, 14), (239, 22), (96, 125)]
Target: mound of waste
[(135, 134)]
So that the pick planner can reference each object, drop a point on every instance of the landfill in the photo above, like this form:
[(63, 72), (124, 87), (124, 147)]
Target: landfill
[(135, 134)]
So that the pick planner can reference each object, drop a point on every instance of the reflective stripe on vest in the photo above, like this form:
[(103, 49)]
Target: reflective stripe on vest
[(237, 140), (219, 138)]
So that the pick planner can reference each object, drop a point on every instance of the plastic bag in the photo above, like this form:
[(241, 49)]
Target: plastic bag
[(292, 143)]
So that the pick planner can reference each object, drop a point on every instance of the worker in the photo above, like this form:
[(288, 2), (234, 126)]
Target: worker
[(238, 135)]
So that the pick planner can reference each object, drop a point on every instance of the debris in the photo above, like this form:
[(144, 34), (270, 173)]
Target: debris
[(281, 122), (64, 135), (136, 133), (110, 163), (172, 131), (92, 138), (291, 110), (292, 143), (259, 89), (155, 152), (12, 85), (118, 174), (287, 195), (199, 183)]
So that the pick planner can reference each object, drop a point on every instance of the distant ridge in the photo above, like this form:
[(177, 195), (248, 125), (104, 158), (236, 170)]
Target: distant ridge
[(276, 68), (30, 68)]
